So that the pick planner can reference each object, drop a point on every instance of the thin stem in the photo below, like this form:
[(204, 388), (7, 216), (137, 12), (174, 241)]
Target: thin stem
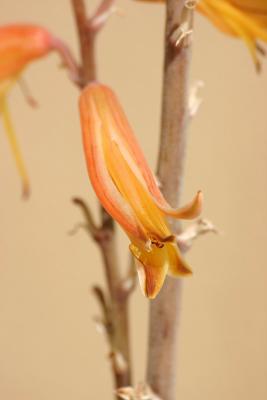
[(118, 332), (90, 224), (87, 42), (165, 310), (119, 335), (68, 60)]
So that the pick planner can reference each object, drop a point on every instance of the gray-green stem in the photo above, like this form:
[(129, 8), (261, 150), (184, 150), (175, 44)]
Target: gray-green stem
[(165, 310)]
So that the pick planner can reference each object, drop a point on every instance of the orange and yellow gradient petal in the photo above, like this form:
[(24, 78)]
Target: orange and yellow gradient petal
[(127, 188), (248, 21)]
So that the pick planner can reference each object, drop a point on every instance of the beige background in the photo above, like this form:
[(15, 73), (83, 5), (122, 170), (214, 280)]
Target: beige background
[(49, 347)]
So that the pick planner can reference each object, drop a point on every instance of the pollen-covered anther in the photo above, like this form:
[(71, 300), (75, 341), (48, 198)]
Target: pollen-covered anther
[(153, 241), (169, 239), (158, 244)]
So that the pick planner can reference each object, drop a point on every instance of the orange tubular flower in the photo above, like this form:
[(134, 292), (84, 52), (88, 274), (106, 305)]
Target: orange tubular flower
[(127, 188), (20, 45), (246, 19)]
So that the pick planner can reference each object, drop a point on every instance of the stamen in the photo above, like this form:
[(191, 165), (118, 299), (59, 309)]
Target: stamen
[(157, 243), (169, 239)]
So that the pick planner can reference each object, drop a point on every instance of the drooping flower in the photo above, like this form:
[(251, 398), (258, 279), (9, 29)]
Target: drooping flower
[(246, 19), (20, 45), (127, 188)]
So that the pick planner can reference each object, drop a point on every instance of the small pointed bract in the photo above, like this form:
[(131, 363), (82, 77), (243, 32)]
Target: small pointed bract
[(127, 188)]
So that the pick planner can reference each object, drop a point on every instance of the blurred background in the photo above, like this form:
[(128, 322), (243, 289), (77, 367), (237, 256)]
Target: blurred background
[(49, 346)]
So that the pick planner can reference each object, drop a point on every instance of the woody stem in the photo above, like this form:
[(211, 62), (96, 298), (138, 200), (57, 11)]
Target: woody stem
[(118, 333), (165, 310)]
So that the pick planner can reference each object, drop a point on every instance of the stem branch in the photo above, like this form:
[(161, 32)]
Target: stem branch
[(118, 332)]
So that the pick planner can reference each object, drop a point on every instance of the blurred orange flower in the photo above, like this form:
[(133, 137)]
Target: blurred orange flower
[(246, 19), (127, 188), (19, 46)]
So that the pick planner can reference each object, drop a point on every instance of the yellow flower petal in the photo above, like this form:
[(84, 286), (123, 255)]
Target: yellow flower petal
[(20, 44), (150, 218), (95, 119), (238, 21), (153, 263), (228, 11), (255, 7), (15, 147), (189, 211)]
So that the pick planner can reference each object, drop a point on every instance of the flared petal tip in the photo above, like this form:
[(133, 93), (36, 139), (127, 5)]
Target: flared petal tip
[(150, 279), (148, 285), (152, 269), (193, 209), (189, 211)]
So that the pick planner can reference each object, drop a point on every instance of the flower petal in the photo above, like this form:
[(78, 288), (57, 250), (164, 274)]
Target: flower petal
[(14, 146), (178, 267), (255, 7), (190, 211), (221, 12), (247, 21), (19, 44), (124, 137), (153, 264), (244, 34), (126, 140), (151, 220), (95, 126), (208, 11), (225, 9)]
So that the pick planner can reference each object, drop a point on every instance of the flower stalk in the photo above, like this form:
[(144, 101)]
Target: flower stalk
[(105, 236), (165, 310)]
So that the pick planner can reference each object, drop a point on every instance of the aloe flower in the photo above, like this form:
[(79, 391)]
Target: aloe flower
[(245, 19), (127, 189), (19, 46)]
